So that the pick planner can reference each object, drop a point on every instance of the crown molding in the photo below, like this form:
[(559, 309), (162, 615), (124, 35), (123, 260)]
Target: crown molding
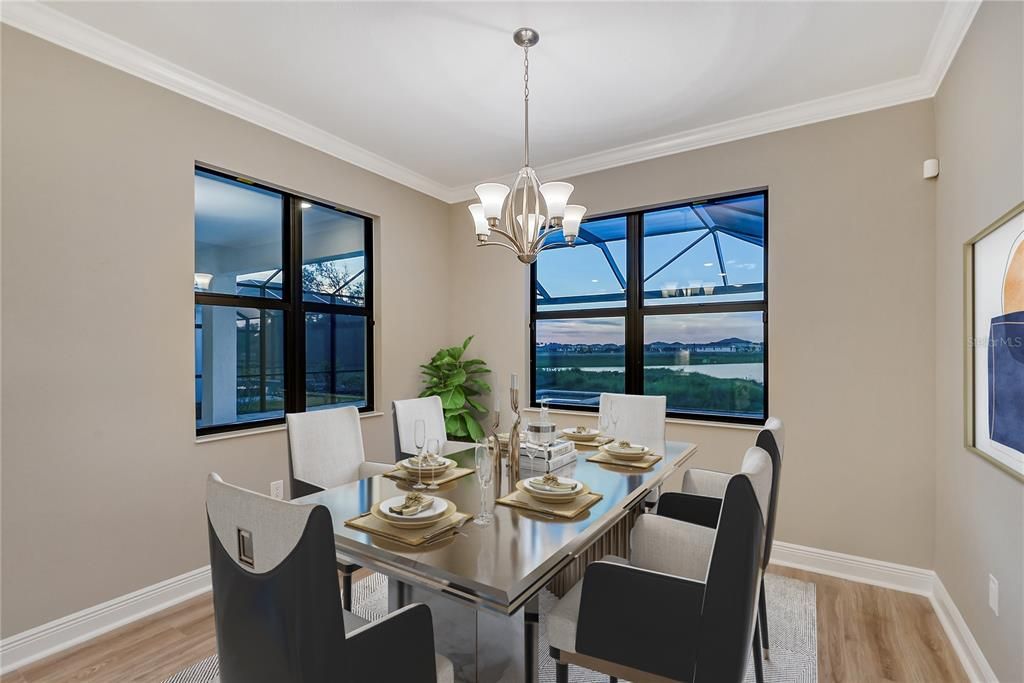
[(57, 27), (824, 109), (956, 19)]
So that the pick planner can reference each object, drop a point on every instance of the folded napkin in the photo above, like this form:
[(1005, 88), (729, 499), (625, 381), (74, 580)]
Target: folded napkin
[(414, 503), (550, 482)]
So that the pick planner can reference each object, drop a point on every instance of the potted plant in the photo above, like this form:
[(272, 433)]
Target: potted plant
[(457, 381)]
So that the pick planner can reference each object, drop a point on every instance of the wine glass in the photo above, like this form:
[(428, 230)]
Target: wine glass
[(484, 476), (604, 423), (433, 450), (613, 413), (419, 437)]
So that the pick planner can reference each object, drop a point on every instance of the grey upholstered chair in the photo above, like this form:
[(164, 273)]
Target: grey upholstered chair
[(693, 588), (325, 449), (639, 419), (701, 495), (277, 608), (429, 409)]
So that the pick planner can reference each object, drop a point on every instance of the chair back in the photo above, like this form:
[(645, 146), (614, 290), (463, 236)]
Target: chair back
[(731, 593), (641, 419), (407, 411), (325, 447), (276, 603), (772, 440)]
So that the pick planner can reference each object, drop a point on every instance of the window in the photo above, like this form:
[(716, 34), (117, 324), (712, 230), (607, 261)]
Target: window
[(260, 350), (669, 301)]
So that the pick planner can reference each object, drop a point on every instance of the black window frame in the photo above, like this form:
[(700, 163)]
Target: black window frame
[(635, 311), (292, 303)]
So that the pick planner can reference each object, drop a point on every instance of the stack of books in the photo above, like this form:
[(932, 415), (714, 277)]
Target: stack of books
[(547, 458)]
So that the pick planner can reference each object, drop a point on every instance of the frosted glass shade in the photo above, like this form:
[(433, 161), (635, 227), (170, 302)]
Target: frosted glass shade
[(203, 280), (492, 197), (556, 195), (479, 220), (534, 224), (571, 221)]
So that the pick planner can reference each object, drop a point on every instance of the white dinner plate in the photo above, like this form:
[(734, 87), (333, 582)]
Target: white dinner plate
[(439, 508), (445, 464), (631, 453), (588, 435)]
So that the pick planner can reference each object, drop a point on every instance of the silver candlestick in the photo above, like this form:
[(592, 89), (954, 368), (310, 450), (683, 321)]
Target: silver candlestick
[(513, 436)]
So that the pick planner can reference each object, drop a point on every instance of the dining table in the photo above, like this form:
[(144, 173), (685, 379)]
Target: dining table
[(483, 584)]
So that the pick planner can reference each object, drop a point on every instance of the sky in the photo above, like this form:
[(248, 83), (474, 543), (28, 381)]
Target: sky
[(585, 270), (696, 328)]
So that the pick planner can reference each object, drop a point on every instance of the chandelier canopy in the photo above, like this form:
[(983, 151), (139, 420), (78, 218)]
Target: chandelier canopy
[(524, 216)]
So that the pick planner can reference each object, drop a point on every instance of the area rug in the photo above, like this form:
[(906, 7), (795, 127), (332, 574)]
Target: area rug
[(792, 619)]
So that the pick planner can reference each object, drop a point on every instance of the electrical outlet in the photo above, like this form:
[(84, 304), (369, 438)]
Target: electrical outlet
[(993, 594), (277, 489)]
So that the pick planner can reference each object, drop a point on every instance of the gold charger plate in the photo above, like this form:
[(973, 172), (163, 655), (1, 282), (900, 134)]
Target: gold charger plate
[(627, 457), (585, 437), (603, 457), (408, 467), (571, 509), (417, 523), (552, 498)]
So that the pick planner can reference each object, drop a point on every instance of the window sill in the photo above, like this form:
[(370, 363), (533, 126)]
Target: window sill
[(668, 420), (238, 433)]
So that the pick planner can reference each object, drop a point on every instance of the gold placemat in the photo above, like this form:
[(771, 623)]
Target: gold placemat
[(402, 474), (594, 443), (643, 463), (413, 537), (574, 508)]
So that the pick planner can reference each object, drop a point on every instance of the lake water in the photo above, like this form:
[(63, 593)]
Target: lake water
[(751, 371)]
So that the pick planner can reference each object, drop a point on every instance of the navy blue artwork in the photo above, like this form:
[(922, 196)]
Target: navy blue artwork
[(1006, 380)]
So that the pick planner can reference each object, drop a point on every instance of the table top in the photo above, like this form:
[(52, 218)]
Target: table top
[(501, 565)]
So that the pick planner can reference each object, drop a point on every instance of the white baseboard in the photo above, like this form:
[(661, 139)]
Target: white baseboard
[(899, 577), (60, 634), (967, 649)]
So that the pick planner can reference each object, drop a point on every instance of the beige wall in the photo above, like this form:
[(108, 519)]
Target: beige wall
[(102, 493), (851, 277), (979, 121), (102, 481)]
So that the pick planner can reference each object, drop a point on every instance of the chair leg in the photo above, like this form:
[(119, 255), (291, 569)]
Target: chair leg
[(763, 621), (561, 673), (755, 645), (346, 587)]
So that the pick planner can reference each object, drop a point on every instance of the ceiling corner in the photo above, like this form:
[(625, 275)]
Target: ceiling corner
[(955, 21)]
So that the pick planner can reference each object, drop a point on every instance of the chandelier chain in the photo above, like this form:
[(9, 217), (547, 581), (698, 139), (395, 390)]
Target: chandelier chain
[(526, 104)]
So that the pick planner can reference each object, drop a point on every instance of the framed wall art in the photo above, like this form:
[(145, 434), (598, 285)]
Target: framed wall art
[(994, 353)]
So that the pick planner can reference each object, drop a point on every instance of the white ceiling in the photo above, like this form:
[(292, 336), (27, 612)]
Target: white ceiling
[(430, 93)]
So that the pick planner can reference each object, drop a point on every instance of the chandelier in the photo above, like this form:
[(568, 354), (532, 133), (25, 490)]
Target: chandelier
[(524, 216)]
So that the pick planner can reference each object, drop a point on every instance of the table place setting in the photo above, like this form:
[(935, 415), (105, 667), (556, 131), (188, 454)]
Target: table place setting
[(414, 519), (586, 437), (427, 471), (625, 454), (551, 495)]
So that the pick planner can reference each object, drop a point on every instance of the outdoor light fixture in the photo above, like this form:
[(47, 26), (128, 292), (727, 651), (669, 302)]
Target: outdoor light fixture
[(202, 280), (525, 215)]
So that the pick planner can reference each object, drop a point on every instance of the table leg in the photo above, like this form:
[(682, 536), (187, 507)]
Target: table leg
[(531, 635)]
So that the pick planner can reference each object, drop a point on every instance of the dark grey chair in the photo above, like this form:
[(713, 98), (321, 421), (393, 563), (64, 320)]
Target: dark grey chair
[(683, 607), (701, 497), (277, 607)]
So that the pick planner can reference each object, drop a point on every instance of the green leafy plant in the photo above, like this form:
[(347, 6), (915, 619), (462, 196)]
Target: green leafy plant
[(457, 381)]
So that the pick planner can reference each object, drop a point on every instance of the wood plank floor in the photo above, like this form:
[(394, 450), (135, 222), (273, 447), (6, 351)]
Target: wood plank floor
[(865, 634)]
